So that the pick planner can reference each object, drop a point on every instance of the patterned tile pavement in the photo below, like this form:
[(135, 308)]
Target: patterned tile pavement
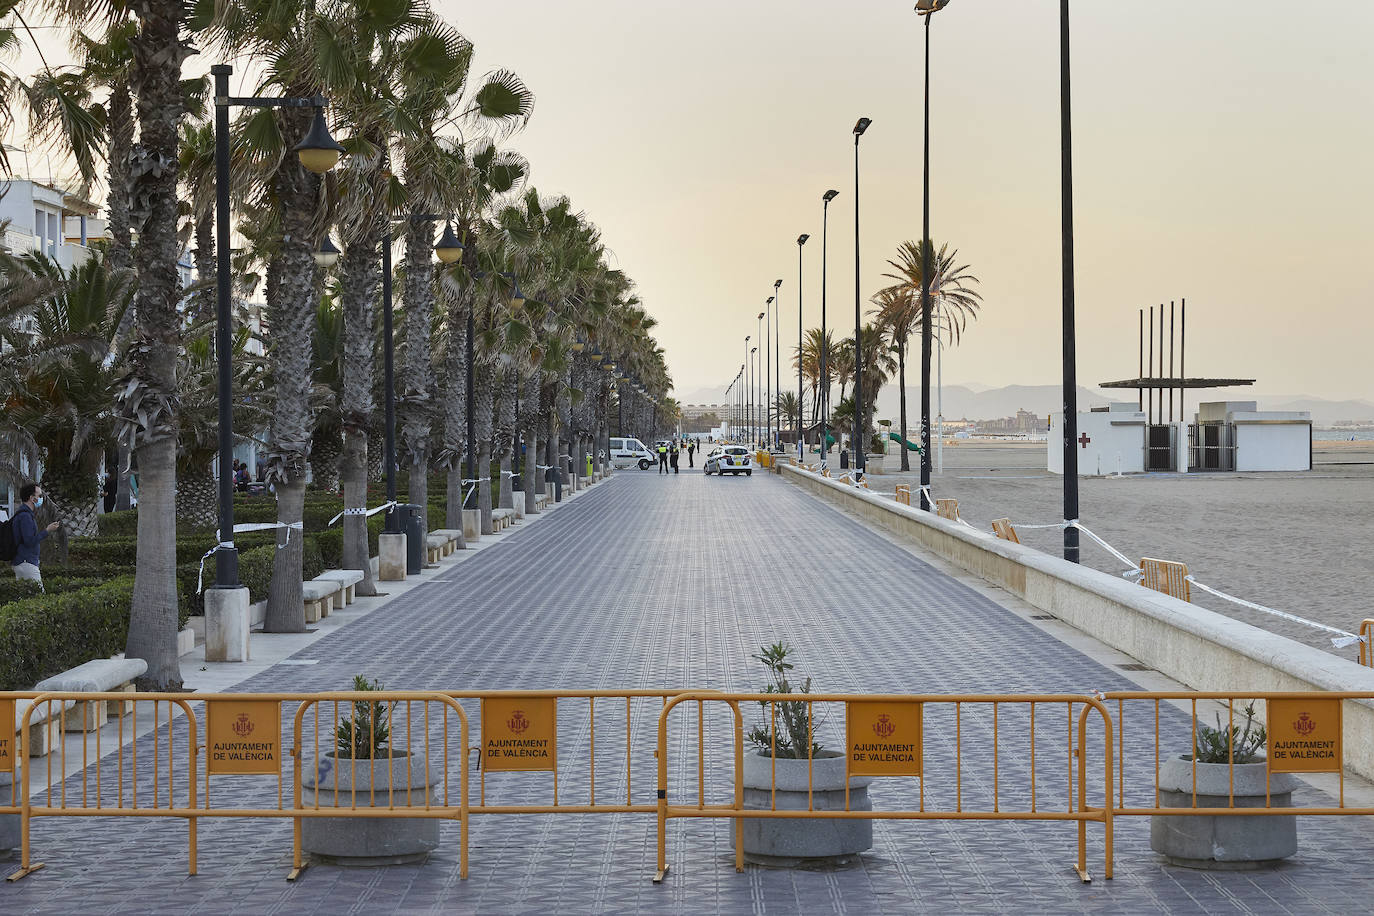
[(647, 582)]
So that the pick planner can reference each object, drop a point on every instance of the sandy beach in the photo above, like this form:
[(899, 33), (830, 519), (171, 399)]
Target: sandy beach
[(1296, 542)]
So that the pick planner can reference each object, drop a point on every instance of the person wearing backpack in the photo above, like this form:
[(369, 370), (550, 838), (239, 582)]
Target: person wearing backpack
[(26, 533)]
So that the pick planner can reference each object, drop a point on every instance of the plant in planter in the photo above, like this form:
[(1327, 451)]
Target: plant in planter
[(364, 770), (790, 765), (1229, 767)]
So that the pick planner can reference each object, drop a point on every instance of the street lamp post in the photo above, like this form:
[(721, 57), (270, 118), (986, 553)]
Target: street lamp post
[(318, 152), (747, 416), (824, 386), (768, 374), (859, 446), (801, 240), (1070, 424), (927, 10), (759, 376), (753, 397), (777, 364)]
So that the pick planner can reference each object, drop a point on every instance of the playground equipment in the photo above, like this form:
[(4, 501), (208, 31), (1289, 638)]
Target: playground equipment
[(910, 446)]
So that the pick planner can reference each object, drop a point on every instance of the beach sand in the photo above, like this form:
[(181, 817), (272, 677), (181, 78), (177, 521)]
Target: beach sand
[(1296, 542)]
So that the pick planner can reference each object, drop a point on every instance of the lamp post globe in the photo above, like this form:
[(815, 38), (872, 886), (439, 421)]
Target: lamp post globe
[(448, 249), (319, 152), (327, 255)]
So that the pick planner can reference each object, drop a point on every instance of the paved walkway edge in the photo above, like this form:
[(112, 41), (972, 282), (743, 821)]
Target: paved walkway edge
[(1200, 648)]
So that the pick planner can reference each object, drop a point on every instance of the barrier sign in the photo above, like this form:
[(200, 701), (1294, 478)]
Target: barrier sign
[(7, 736), (244, 736), (884, 739), (519, 733), (1305, 736)]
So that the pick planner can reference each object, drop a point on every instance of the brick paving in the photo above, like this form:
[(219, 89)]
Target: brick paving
[(647, 582)]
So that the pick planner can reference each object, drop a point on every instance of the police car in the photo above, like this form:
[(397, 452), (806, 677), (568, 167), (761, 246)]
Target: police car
[(731, 459)]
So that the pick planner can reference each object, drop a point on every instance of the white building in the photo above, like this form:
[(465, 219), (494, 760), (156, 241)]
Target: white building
[(47, 219), (1225, 436)]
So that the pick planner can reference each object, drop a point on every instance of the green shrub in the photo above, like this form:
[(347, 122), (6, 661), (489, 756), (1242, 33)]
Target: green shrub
[(48, 634), (12, 589), (118, 523), (331, 547)]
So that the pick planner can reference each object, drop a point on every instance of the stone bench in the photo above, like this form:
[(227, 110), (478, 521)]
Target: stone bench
[(101, 675), (452, 534), (44, 733), (541, 501), (502, 518), (347, 579), (436, 546), (319, 598)]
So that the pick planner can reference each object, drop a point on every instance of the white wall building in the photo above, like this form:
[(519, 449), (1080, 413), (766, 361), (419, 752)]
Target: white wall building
[(1109, 441), (47, 219)]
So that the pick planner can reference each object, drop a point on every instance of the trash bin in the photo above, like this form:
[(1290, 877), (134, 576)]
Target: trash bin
[(844, 460), (411, 526)]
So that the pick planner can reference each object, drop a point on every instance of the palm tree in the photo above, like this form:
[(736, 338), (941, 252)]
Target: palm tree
[(878, 366), (787, 406), (841, 364), (148, 397), (65, 372), (952, 300)]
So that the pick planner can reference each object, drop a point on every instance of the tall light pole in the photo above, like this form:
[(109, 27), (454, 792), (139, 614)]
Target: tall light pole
[(748, 416), (801, 240), (754, 397), (927, 10), (860, 447), (319, 153), (758, 376), (823, 388), (768, 373), (777, 361), (1070, 424)]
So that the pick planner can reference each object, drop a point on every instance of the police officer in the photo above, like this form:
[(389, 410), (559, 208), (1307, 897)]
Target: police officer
[(672, 456), (691, 453), (663, 457)]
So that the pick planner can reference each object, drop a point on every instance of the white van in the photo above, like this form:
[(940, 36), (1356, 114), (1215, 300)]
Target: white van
[(628, 452)]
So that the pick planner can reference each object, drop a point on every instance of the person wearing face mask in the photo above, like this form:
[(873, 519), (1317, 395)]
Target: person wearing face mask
[(27, 535)]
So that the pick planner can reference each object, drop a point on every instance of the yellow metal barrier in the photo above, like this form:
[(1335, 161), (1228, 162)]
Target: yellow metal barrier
[(903, 494), (947, 508), (941, 794), (1366, 632), (1304, 734), (1002, 527), (160, 756), (1166, 576)]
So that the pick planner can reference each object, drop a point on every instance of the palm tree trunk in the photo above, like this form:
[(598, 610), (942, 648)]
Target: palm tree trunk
[(417, 375), (455, 411), (505, 432), (124, 495), (121, 128), (197, 498), (291, 308), (155, 612), (353, 474), (529, 471), (482, 416), (158, 53), (901, 384), (205, 266)]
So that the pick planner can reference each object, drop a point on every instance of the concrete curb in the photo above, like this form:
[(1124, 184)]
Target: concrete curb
[(1201, 648)]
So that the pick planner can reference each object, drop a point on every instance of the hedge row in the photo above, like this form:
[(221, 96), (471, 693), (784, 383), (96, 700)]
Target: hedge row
[(45, 635)]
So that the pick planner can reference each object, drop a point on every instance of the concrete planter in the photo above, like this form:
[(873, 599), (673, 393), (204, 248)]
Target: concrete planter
[(792, 842), (874, 464), (402, 779), (1223, 842)]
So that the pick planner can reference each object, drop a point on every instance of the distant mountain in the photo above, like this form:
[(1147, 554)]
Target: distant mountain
[(977, 402)]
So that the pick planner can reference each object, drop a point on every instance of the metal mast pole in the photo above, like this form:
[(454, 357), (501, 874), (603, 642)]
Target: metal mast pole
[(1070, 424)]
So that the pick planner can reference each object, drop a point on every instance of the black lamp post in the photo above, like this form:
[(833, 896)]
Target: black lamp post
[(471, 462), (318, 152), (747, 414), (824, 387), (1070, 424), (859, 446), (777, 364), (927, 10), (753, 397), (768, 373), (758, 365), (801, 240)]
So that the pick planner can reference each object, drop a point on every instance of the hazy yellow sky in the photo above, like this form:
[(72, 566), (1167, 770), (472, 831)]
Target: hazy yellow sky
[(1222, 151)]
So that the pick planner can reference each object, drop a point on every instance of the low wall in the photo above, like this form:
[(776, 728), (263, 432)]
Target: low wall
[(1200, 648)]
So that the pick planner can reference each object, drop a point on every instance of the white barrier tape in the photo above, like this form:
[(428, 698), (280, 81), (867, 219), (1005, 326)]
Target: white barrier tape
[(200, 576), (363, 511), (507, 473), (1346, 638), (930, 498), (477, 480), (1133, 568)]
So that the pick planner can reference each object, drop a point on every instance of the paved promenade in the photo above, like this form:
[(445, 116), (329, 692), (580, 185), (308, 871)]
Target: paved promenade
[(653, 582)]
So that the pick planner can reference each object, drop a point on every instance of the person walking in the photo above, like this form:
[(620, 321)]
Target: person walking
[(672, 457), (663, 457), (691, 454), (27, 535)]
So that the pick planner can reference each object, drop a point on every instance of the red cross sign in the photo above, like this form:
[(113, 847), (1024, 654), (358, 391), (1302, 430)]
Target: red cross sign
[(1083, 440)]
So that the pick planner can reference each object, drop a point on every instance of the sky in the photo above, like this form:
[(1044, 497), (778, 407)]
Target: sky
[(1221, 155)]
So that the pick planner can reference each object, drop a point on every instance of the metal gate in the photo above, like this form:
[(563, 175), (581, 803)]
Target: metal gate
[(1211, 447)]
